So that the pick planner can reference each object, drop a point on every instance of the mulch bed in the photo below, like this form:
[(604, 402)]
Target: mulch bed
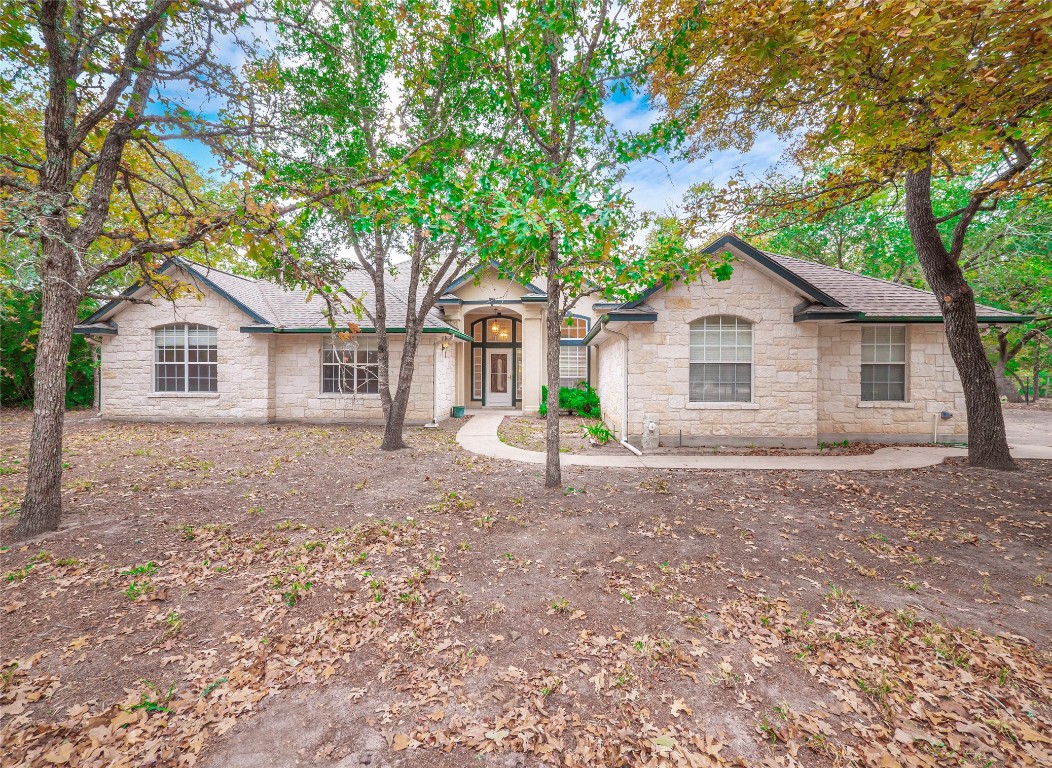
[(527, 432), (224, 595)]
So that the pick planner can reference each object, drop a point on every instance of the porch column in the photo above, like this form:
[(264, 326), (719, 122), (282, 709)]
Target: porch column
[(455, 317), (533, 368)]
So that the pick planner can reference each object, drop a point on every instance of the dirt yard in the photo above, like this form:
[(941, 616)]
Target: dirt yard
[(289, 595)]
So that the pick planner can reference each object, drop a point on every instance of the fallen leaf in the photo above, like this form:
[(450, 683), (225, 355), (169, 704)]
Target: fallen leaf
[(60, 754)]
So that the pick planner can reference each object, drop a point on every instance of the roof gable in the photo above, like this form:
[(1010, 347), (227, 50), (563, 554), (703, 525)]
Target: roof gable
[(837, 294), (274, 307)]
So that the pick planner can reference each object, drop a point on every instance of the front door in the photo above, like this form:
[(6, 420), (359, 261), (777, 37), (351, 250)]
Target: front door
[(498, 377)]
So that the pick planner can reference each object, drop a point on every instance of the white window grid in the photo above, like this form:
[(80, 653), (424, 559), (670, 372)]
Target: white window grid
[(350, 367), (883, 363), (573, 366), (720, 360), (186, 358)]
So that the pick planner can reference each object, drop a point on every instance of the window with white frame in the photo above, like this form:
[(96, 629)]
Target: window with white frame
[(884, 362), (573, 366), (573, 357), (185, 358), (350, 367), (720, 360), (574, 328)]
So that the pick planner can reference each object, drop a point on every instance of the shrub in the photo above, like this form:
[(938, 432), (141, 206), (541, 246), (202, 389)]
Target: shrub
[(599, 432), (581, 400)]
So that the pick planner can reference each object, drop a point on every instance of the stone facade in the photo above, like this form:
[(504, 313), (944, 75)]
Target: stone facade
[(247, 375), (933, 386), (609, 381), (806, 377), (261, 376)]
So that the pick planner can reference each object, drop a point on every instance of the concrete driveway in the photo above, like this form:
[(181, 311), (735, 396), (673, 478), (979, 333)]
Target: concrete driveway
[(1029, 426)]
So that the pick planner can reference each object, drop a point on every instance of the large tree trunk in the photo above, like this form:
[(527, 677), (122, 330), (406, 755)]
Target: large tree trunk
[(987, 442), (394, 424), (42, 506), (552, 463)]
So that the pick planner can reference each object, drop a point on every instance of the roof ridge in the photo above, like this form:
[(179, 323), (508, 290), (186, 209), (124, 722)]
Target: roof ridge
[(210, 268)]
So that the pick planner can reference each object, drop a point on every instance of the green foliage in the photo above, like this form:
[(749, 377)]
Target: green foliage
[(582, 400), (599, 432), (19, 328)]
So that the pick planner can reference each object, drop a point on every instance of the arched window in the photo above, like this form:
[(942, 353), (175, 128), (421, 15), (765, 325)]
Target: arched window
[(573, 355), (185, 358), (720, 360), (574, 328)]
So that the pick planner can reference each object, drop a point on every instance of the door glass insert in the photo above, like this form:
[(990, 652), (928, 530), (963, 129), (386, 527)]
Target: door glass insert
[(498, 374)]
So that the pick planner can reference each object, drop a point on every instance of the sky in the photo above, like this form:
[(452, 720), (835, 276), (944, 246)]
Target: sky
[(658, 184), (655, 184)]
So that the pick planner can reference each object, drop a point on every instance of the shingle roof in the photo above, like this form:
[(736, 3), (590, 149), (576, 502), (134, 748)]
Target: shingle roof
[(836, 294), (271, 305), (873, 297)]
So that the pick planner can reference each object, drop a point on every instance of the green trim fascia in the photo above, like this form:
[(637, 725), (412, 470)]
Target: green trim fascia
[(617, 317), (446, 331), (847, 314), (82, 331)]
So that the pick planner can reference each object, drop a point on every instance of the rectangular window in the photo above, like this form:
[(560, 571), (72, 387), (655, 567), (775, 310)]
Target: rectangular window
[(476, 374), (884, 362), (573, 366), (185, 359), (720, 360), (350, 367)]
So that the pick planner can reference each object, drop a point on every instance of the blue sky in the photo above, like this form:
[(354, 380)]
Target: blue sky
[(660, 183)]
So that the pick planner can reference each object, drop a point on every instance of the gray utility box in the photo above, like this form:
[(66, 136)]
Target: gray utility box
[(651, 434)]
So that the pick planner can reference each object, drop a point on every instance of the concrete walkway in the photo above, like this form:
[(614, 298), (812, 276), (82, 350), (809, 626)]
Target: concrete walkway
[(479, 435)]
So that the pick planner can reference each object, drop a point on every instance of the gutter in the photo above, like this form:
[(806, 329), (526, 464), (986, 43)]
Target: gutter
[(624, 412), (274, 329)]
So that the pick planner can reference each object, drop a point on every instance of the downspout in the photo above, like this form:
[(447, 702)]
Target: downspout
[(624, 411)]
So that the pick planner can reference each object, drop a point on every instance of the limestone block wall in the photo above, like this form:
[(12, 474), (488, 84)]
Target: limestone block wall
[(932, 386), (609, 382), (447, 374), (245, 365), (784, 407), (298, 394)]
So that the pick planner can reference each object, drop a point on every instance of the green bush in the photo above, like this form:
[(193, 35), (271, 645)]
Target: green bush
[(19, 328), (581, 400)]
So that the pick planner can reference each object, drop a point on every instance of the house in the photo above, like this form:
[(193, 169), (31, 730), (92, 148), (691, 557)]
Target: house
[(785, 352)]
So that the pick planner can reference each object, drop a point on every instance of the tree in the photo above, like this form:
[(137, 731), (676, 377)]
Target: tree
[(385, 132), (86, 179), (886, 92), (563, 215)]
